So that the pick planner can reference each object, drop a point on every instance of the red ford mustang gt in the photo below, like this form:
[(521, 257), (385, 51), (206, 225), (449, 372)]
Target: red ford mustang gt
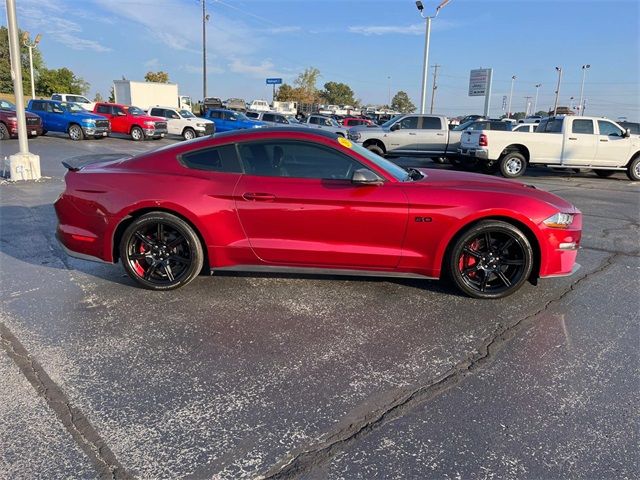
[(300, 200)]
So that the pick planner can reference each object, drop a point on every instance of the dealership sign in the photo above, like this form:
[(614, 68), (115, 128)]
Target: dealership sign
[(274, 81), (479, 82)]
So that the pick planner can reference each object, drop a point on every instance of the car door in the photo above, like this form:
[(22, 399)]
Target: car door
[(433, 136), (39, 108), (119, 122), (298, 206), (175, 123), (404, 135), (613, 147), (57, 117), (580, 143)]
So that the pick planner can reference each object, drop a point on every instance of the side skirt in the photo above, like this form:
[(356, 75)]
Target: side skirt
[(319, 271)]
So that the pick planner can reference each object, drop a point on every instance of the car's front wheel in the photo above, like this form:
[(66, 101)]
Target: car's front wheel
[(137, 134), (76, 133), (161, 251), (490, 260), (189, 134), (4, 132), (633, 170)]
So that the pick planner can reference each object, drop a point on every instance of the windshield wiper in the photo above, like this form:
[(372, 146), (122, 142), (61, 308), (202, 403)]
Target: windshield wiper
[(414, 173)]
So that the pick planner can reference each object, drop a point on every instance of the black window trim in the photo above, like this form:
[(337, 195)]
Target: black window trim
[(182, 162)]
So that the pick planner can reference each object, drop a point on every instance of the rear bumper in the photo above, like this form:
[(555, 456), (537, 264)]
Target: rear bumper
[(32, 130), (480, 153)]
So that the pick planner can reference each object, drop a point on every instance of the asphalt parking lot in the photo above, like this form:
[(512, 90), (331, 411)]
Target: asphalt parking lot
[(245, 376)]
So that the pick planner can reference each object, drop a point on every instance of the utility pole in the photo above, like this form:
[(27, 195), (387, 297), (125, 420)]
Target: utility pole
[(22, 165), (527, 104), (389, 87), (555, 104), (435, 86), (535, 103), (584, 74), (205, 18), (31, 46), (513, 80)]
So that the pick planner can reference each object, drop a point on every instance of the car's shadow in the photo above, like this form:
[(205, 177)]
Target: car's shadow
[(27, 234)]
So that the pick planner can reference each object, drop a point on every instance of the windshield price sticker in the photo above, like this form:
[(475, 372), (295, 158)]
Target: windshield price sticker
[(344, 142)]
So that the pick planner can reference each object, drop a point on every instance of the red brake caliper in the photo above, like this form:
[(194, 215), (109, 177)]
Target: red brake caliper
[(467, 261), (137, 266)]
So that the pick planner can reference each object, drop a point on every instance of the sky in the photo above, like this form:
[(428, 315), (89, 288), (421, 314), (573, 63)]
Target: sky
[(372, 45)]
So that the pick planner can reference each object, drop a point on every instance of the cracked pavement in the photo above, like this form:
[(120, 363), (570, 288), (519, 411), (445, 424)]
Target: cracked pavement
[(245, 376)]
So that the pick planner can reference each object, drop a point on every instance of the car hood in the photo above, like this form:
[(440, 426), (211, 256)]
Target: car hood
[(86, 115), (368, 128), (149, 118), (452, 180)]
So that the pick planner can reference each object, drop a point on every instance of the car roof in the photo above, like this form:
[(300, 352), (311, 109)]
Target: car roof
[(260, 131), (166, 108)]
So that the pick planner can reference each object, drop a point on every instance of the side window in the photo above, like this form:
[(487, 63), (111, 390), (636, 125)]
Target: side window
[(268, 117), (37, 106), (118, 110), (281, 119), (56, 97), (54, 107), (296, 160), (217, 159), (214, 114), (156, 112), (409, 123), (170, 114), (314, 120), (431, 123), (582, 126), (553, 125), (608, 128), (104, 109), (229, 116)]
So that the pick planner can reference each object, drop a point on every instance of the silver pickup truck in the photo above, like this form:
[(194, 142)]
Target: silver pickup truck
[(409, 134)]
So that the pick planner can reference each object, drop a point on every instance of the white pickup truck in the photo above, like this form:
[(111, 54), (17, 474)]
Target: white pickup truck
[(559, 142)]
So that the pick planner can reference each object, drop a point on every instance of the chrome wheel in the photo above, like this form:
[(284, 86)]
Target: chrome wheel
[(189, 134), (75, 132), (514, 165), (137, 134)]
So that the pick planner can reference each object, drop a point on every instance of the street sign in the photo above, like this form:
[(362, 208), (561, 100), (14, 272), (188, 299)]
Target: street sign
[(274, 81), (479, 81)]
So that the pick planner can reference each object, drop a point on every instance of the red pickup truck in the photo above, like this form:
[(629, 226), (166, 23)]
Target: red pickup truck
[(132, 121), (9, 122)]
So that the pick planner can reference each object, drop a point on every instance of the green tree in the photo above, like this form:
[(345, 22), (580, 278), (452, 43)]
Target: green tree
[(159, 77), (541, 113), (60, 80), (112, 95), (336, 93), (402, 103), (307, 91), (6, 83), (98, 98)]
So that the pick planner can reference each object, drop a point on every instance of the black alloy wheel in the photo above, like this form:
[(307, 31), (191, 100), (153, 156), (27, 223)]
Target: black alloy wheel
[(161, 251), (4, 132), (491, 260)]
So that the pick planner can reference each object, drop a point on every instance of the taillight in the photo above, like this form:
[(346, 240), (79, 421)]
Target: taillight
[(483, 140)]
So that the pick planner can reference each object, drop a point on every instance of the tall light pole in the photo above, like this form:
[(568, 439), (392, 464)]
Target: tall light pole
[(527, 105), (513, 80), (584, 74), (555, 104), (22, 165), (425, 66), (435, 86), (31, 46), (389, 88), (535, 103), (205, 19)]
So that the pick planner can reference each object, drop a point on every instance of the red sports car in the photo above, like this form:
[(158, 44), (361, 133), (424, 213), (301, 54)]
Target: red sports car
[(300, 200)]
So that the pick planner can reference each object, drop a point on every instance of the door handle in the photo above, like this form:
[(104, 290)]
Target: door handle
[(604, 140), (411, 133), (258, 197), (440, 134), (572, 138)]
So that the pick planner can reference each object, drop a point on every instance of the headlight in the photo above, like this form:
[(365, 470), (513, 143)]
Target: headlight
[(90, 122), (559, 220), (201, 124), (150, 124)]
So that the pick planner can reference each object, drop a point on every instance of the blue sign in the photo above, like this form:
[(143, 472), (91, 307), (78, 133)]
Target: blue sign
[(274, 81)]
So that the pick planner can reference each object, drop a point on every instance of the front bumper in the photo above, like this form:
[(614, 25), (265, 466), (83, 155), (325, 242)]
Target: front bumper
[(155, 132), (480, 153), (96, 131), (208, 129), (559, 249)]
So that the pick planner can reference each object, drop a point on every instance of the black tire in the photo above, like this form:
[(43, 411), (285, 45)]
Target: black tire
[(137, 134), (376, 149), (44, 132), (189, 134), (633, 170), (489, 167), (456, 161), (604, 173), (512, 165), (161, 251), (490, 260), (4, 132), (75, 132)]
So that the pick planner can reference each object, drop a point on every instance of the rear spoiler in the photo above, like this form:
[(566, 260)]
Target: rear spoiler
[(76, 163)]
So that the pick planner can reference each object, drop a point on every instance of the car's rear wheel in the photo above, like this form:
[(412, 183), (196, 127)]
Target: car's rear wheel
[(604, 173), (633, 170), (376, 149), (161, 251), (76, 133), (513, 165), (4, 132), (189, 134), (491, 260), (137, 134)]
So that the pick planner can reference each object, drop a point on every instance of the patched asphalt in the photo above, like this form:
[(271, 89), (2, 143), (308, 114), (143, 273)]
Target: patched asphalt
[(238, 376)]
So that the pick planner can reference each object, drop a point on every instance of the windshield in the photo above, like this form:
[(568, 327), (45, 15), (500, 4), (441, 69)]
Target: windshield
[(462, 126), (391, 168), (187, 114), (388, 123), (4, 105), (241, 116), (72, 107), (135, 111), (292, 119)]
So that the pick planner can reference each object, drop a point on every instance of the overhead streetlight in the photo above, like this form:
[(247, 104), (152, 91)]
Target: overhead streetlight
[(555, 104), (513, 79), (205, 19), (425, 66), (31, 46), (584, 74), (535, 103)]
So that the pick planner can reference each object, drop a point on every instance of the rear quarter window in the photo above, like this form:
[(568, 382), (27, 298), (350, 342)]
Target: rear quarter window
[(222, 159)]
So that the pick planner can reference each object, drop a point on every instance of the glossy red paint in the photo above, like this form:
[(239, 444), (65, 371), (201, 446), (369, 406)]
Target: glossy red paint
[(125, 122), (399, 227)]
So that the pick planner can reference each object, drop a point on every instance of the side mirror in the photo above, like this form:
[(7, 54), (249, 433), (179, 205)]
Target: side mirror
[(121, 114), (364, 176), (627, 133), (394, 127)]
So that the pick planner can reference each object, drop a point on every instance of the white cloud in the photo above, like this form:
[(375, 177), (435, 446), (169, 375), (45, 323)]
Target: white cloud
[(152, 63), (197, 69), (413, 29), (262, 70), (289, 29)]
